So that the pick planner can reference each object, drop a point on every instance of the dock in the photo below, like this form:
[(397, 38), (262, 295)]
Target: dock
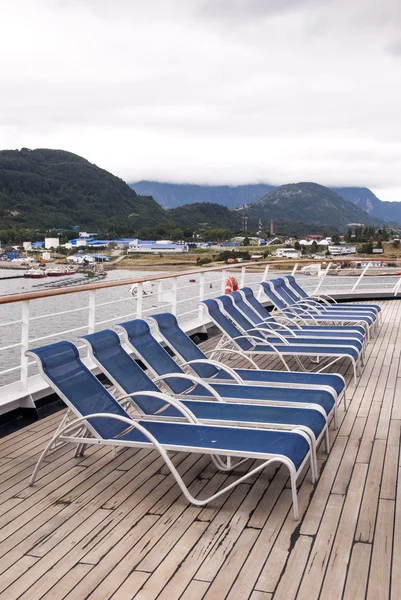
[(118, 527)]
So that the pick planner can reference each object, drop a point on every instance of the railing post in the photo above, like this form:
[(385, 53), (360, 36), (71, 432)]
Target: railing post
[(321, 279), (242, 278), (92, 311), (24, 343), (397, 287), (360, 277), (201, 293), (139, 300), (294, 269), (224, 276), (264, 278), (174, 289)]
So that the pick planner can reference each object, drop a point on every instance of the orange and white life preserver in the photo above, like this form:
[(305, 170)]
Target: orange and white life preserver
[(231, 285)]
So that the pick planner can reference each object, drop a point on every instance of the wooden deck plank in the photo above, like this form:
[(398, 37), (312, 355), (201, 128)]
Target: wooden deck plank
[(288, 586), (379, 576), (358, 572), (389, 479), (337, 566), (319, 556), (396, 560), (367, 519)]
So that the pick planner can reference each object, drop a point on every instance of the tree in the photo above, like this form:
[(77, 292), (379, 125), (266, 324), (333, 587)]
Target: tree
[(297, 246), (366, 248), (177, 234), (379, 244), (348, 235), (218, 235), (336, 239), (245, 241)]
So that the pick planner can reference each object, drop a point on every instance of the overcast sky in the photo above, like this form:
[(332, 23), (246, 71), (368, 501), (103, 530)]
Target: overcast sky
[(209, 91)]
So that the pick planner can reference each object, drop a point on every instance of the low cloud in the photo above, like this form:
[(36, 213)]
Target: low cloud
[(213, 91)]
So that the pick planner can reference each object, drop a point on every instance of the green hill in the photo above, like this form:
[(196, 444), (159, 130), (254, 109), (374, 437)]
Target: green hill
[(205, 215), (57, 189), (309, 203)]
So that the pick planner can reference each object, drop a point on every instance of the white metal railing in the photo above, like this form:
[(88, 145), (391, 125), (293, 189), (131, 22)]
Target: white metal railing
[(173, 293), (88, 308)]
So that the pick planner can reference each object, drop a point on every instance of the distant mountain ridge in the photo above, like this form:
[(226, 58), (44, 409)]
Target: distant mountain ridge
[(173, 195), (309, 203)]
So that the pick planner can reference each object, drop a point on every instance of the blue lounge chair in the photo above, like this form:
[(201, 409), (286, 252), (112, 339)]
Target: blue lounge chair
[(264, 331), (256, 308), (121, 369), (299, 293), (288, 309), (291, 299), (254, 346), (161, 364), (191, 355), (101, 420)]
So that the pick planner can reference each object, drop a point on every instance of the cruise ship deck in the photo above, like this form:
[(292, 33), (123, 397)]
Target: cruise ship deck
[(104, 527)]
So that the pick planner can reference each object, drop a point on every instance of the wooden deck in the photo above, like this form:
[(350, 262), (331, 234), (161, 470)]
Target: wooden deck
[(98, 527)]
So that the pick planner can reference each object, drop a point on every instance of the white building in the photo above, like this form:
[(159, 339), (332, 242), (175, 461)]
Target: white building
[(162, 246), (288, 253), (52, 243), (341, 250)]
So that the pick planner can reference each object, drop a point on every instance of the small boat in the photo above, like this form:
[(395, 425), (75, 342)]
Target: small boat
[(35, 274), (59, 272)]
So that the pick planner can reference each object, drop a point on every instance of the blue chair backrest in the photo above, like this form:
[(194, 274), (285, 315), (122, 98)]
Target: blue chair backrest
[(68, 375), (249, 311), (182, 344), (153, 354), (236, 315), (296, 286), (225, 324), (123, 369), (286, 292), (272, 294), (256, 305)]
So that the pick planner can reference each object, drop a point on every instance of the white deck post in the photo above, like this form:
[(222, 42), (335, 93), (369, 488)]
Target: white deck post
[(360, 277), (139, 300), (264, 278), (174, 289), (24, 343), (242, 278), (224, 276), (201, 293), (294, 269), (92, 311), (321, 279), (397, 287)]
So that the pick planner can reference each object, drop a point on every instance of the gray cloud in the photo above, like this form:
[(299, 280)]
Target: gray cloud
[(222, 91)]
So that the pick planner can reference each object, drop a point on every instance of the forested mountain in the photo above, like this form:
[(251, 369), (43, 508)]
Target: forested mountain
[(205, 215), (52, 189), (365, 199), (55, 189), (308, 203), (172, 195)]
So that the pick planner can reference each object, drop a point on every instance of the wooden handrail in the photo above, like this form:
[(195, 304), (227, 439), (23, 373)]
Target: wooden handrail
[(119, 282)]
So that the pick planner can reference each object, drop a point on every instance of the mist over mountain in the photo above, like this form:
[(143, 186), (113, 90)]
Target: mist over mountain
[(309, 203), (172, 195)]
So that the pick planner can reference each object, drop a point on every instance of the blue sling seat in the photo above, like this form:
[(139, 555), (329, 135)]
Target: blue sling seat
[(191, 354), (106, 422)]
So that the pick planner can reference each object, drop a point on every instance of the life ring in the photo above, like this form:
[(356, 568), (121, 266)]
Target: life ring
[(231, 285)]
